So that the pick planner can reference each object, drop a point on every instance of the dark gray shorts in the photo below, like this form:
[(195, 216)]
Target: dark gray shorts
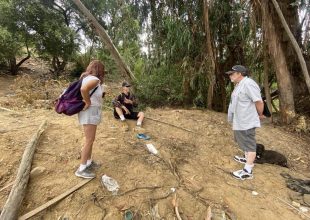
[(246, 140)]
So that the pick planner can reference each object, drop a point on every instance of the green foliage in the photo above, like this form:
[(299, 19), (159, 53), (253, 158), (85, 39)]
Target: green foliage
[(174, 67), (54, 39), (13, 35), (159, 87)]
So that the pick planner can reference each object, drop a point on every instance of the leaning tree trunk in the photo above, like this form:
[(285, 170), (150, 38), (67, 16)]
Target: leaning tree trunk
[(14, 66), (211, 57), (290, 12), (106, 39), (287, 106), (294, 43)]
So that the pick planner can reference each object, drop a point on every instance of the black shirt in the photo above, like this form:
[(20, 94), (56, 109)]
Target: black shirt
[(119, 101)]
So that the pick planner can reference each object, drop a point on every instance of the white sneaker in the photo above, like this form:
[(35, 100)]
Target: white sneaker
[(93, 165), (242, 174)]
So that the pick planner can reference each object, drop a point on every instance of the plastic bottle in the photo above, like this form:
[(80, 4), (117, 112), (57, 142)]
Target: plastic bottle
[(110, 184), (151, 149)]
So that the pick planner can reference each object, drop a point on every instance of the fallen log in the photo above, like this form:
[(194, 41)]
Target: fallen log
[(12, 205)]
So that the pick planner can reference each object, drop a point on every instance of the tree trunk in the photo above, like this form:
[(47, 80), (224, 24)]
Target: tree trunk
[(106, 39), (186, 86), (266, 79), (210, 54), (12, 205), (294, 43), (13, 66), (58, 66), (287, 106), (290, 12)]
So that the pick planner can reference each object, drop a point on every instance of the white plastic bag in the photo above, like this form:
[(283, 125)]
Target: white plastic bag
[(151, 149), (110, 183)]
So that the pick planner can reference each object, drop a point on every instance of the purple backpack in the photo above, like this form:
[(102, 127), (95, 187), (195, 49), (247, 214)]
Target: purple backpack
[(71, 101)]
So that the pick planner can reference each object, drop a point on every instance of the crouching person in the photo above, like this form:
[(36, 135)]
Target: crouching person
[(124, 107)]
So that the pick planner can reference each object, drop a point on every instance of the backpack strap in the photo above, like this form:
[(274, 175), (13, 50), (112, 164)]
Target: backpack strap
[(93, 91)]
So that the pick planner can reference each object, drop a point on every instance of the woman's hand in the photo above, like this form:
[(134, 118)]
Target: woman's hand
[(87, 104)]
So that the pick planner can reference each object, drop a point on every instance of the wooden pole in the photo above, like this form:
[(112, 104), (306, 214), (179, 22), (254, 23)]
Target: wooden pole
[(106, 39), (12, 205), (166, 123), (53, 201), (9, 110)]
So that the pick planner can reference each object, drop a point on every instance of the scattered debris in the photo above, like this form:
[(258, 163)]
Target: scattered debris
[(254, 193), (151, 149), (110, 183)]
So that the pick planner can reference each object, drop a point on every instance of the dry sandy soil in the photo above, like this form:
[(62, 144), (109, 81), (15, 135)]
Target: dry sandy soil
[(197, 164)]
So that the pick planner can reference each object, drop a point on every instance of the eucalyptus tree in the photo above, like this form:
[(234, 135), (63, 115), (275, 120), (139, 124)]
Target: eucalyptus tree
[(293, 94)]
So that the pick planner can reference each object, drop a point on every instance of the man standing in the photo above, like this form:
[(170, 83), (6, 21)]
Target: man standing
[(123, 107), (245, 112)]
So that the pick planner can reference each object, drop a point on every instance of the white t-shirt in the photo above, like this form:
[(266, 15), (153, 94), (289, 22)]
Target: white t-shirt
[(96, 98)]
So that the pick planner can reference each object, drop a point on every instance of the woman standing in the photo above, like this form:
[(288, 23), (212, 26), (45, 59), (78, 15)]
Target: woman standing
[(90, 117)]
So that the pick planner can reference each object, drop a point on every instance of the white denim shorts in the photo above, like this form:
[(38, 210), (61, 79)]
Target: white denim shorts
[(90, 116)]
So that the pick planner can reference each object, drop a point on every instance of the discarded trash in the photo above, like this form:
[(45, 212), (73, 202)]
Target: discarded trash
[(128, 215), (296, 204), (254, 193), (303, 209), (151, 148), (110, 184), (143, 136), (172, 189)]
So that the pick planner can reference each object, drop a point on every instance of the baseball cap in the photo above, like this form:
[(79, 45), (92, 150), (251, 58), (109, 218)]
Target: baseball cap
[(125, 84), (238, 68)]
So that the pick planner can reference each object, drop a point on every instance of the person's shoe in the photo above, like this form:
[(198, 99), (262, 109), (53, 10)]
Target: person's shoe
[(94, 165), (240, 159), (86, 174), (125, 126), (242, 174), (143, 136)]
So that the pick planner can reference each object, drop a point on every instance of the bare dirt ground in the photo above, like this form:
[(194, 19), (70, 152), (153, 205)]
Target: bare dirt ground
[(196, 164)]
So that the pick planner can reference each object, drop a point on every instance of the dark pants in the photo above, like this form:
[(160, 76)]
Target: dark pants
[(133, 115)]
